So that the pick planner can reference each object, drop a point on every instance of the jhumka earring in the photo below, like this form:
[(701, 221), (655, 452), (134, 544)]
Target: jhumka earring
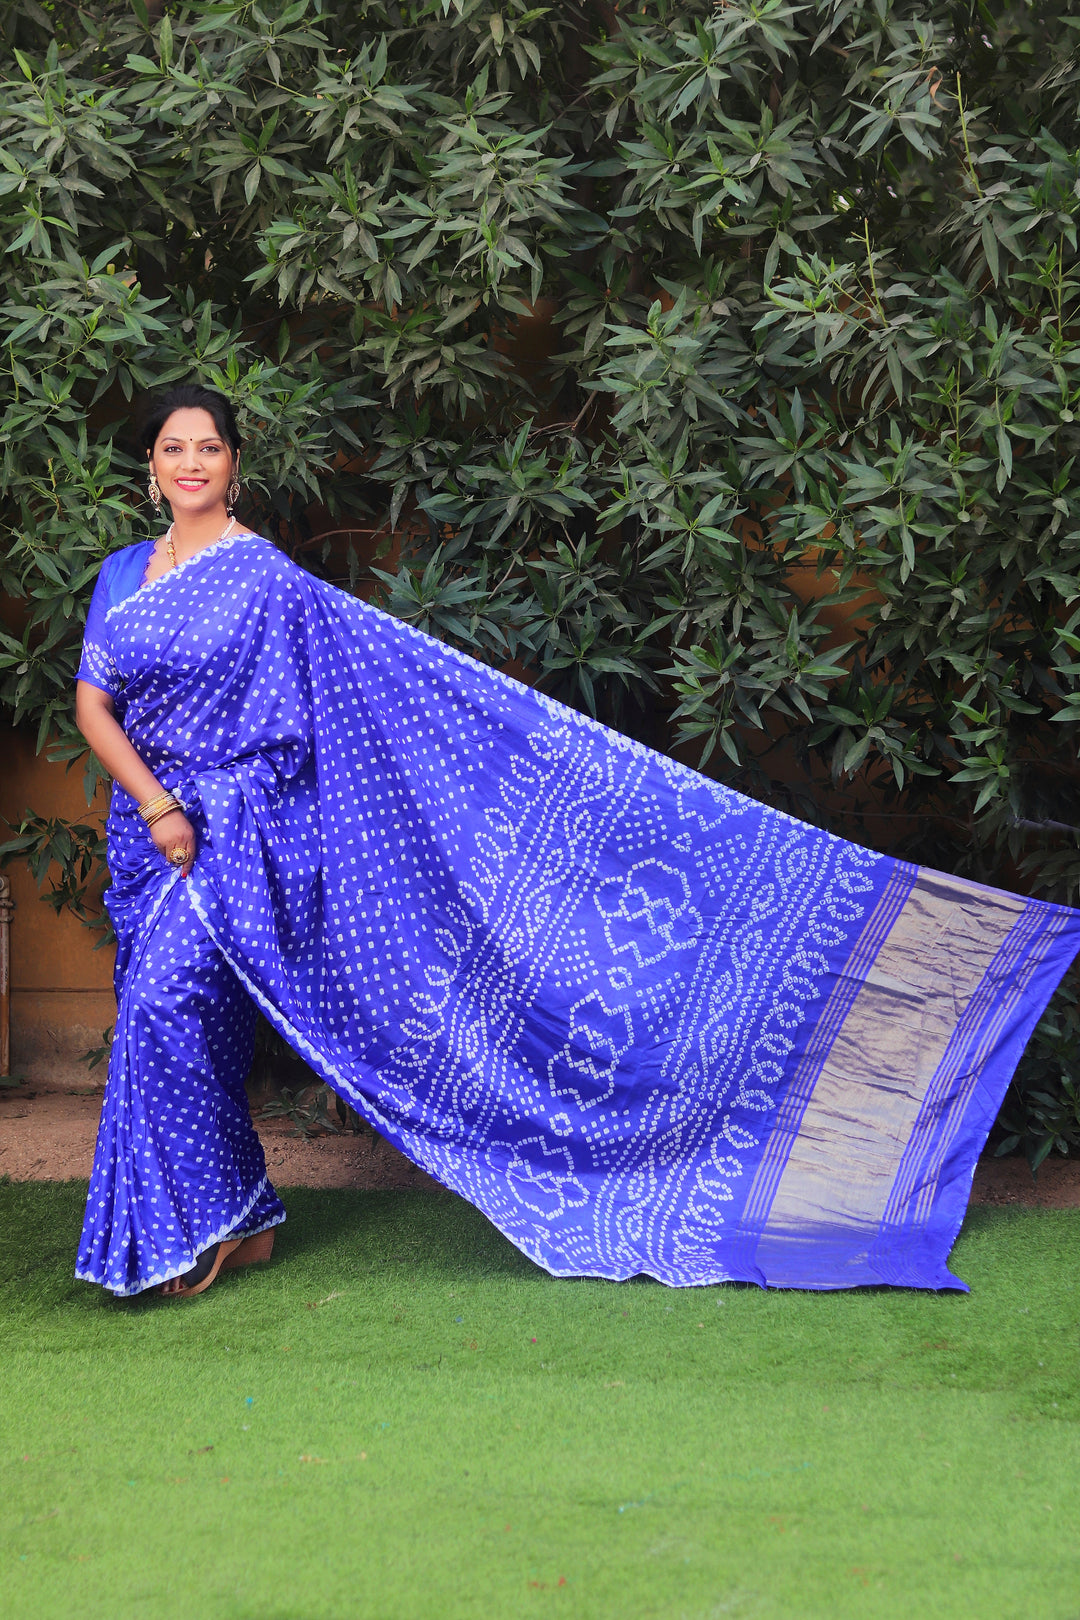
[(232, 494), (153, 489)]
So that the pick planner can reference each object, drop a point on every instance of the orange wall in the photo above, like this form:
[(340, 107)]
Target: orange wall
[(61, 988)]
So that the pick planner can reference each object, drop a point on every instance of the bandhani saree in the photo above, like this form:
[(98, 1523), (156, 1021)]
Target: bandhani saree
[(645, 1024)]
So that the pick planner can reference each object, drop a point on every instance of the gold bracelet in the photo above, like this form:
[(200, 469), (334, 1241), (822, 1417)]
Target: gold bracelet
[(162, 804), (166, 810), (156, 815), (151, 806)]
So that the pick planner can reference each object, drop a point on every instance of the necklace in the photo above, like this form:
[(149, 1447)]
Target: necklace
[(170, 544)]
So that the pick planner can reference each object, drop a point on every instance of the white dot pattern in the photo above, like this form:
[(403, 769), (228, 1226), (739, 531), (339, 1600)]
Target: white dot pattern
[(561, 972)]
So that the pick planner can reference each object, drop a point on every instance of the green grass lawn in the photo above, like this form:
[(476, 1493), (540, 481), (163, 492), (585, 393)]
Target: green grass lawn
[(401, 1417)]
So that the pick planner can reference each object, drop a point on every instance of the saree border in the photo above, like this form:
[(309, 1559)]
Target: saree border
[(170, 1272), (975, 1060), (849, 981), (144, 585)]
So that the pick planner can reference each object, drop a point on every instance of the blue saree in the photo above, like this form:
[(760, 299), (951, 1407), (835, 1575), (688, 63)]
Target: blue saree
[(643, 1023)]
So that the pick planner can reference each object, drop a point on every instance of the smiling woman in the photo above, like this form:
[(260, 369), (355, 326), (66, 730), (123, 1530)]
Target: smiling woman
[(188, 1023)]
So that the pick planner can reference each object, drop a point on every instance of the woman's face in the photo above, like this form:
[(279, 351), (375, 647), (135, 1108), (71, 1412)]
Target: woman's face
[(192, 463)]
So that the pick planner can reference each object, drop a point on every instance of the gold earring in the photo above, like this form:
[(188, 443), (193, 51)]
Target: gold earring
[(153, 489), (232, 494)]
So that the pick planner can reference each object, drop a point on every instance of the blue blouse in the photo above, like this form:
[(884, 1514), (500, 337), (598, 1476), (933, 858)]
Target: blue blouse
[(121, 575)]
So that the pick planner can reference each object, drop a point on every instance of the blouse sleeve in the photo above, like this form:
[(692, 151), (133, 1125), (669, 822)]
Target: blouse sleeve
[(96, 665)]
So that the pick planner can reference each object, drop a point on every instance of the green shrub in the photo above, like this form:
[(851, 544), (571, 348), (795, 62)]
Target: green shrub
[(795, 490)]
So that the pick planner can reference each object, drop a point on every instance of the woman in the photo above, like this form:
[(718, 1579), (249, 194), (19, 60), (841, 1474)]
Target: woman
[(645, 1024), (179, 1170)]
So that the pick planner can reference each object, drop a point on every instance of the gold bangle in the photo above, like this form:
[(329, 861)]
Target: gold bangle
[(167, 810), (155, 799), (163, 805)]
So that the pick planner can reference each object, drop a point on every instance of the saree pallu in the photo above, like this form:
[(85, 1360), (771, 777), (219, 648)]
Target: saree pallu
[(645, 1024)]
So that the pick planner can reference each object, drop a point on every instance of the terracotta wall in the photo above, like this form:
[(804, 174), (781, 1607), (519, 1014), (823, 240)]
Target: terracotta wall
[(61, 988)]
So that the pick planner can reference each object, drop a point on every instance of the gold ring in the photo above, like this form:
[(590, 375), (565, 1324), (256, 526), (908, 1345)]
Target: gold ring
[(178, 855)]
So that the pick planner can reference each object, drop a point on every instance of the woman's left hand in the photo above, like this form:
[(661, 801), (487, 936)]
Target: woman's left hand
[(175, 838)]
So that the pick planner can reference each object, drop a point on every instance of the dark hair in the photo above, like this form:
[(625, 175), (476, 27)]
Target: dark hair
[(159, 406)]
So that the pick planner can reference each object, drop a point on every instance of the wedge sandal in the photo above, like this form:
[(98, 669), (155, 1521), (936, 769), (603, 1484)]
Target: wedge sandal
[(205, 1269), (253, 1251)]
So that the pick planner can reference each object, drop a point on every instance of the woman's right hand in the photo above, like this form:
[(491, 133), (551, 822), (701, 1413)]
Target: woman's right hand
[(173, 833)]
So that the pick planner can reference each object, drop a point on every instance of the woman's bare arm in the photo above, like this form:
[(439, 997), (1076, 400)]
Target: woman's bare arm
[(95, 718)]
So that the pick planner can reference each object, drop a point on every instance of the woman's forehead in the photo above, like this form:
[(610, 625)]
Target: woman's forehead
[(190, 423)]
